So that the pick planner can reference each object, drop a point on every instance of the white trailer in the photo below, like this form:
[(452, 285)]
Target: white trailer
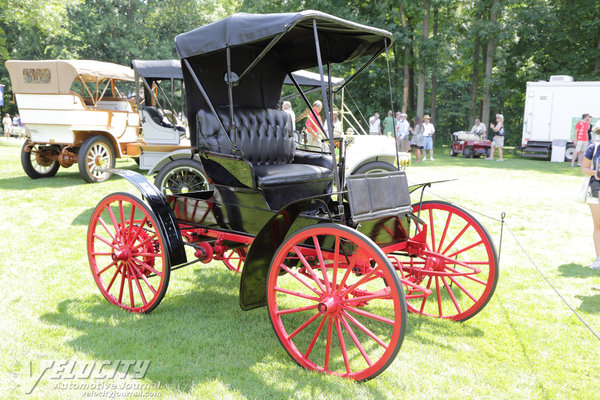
[(551, 111)]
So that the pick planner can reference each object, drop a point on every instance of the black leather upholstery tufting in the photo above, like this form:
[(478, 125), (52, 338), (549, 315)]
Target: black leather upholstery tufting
[(264, 137), (157, 117)]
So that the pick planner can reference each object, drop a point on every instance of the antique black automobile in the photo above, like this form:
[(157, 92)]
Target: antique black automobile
[(337, 269)]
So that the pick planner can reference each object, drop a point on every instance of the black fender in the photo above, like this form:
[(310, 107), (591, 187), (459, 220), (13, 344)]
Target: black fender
[(254, 275), (164, 215)]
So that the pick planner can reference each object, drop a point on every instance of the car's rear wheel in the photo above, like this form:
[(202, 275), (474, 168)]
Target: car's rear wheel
[(39, 161), (96, 154)]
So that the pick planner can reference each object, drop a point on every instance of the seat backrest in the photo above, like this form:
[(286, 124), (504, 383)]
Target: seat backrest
[(156, 116), (262, 134)]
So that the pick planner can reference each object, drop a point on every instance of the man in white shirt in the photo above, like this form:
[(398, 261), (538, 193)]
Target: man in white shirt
[(375, 125), (286, 106), (478, 129), (428, 132), (402, 131)]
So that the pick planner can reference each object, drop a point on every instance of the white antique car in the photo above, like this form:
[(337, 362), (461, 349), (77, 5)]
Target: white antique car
[(75, 113)]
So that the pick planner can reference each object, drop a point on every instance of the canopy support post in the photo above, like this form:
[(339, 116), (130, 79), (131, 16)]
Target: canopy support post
[(387, 60), (233, 132), (262, 54), (328, 116)]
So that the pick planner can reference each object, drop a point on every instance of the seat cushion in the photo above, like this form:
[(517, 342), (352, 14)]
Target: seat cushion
[(284, 174)]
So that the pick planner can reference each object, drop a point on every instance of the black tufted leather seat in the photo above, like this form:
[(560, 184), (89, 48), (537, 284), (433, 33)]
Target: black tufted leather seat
[(264, 137), (157, 117)]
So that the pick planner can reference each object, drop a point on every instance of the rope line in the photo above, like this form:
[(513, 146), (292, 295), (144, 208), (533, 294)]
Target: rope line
[(502, 221)]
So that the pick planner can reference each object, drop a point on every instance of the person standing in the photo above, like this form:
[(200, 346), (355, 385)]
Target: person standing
[(7, 124), (402, 132), (388, 124), (313, 137), (417, 138), (498, 140), (337, 125), (375, 125), (581, 138), (589, 166), (286, 106), (428, 132)]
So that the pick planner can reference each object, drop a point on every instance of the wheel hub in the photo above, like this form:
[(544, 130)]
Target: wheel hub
[(184, 189), (122, 255), (331, 305), (98, 161), (435, 263)]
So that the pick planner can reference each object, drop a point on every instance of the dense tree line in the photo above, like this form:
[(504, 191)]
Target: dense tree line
[(455, 59)]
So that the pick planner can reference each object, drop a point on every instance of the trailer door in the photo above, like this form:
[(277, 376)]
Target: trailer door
[(539, 121)]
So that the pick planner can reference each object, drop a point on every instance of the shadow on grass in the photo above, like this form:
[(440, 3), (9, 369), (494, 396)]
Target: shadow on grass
[(200, 336), (573, 270), (84, 217), (590, 304)]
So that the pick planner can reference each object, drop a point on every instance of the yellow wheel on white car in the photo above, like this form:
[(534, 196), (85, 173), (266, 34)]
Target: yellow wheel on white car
[(96, 155)]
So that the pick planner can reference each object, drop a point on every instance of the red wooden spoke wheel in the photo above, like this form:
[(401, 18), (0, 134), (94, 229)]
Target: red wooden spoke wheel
[(126, 251), (460, 267), (335, 302), (234, 259)]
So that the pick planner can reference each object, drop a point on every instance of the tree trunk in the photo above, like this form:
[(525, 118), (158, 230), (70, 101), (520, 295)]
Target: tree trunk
[(473, 112), (421, 61), (406, 83), (434, 71), (489, 64), (597, 63)]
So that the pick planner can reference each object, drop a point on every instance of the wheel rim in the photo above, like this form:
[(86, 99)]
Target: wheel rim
[(183, 179), (329, 318), (99, 157), (40, 162), (234, 259), (126, 254), (459, 273)]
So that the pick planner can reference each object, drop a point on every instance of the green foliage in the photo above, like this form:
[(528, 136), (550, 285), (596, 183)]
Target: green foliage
[(533, 40)]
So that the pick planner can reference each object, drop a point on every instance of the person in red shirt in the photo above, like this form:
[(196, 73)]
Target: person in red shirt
[(314, 131), (581, 138)]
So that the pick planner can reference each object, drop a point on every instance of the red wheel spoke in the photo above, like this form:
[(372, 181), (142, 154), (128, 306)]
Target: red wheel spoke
[(322, 264), (107, 267), (102, 254), (315, 337), (425, 298), (130, 226), (122, 284), (461, 287), (292, 273), (297, 294), (143, 276), (342, 345), (328, 345), (133, 269), (365, 330), (143, 264), (361, 281), (106, 228), (131, 299), (113, 279), (303, 326), (336, 255), (350, 267), (295, 310), (465, 249), (356, 341), (376, 295), (145, 241), (114, 221), (431, 230), (369, 315), (468, 276), (122, 215), (309, 269), (455, 239), (444, 232), (104, 241), (449, 290), (438, 295), (137, 233), (154, 255)]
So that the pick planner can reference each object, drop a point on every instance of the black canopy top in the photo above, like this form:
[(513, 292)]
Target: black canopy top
[(347, 40), (158, 69)]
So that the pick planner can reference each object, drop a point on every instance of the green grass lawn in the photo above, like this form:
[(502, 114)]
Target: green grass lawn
[(524, 345)]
